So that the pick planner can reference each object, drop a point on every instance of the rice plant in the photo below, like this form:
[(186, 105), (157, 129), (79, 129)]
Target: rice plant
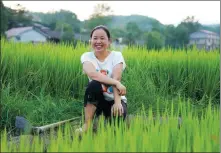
[(142, 134), (45, 83)]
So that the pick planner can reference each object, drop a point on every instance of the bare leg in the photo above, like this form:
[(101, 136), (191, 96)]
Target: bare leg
[(89, 114)]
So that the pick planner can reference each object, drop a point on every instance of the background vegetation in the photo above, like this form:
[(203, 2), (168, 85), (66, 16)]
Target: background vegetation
[(45, 82), (134, 29)]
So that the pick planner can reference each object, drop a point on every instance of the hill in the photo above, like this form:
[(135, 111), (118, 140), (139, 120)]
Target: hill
[(212, 27), (143, 22)]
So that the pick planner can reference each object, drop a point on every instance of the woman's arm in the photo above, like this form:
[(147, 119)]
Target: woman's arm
[(91, 72), (116, 74)]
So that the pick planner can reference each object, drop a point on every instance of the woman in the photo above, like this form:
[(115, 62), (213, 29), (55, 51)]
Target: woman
[(104, 94)]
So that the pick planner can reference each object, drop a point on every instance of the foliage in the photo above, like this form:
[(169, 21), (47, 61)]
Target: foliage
[(170, 36), (132, 33), (32, 73), (101, 16), (11, 18), (154, 40), (214, 28), (4, 19), (131, 28), (144, 23), (144, 132), (62, 16), (102, 9), (118, 33), (67, 33), (184, 29), (182, 36), (93, 22)]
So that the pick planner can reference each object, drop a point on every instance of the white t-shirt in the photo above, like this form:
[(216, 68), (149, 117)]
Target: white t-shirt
[(106, 68)]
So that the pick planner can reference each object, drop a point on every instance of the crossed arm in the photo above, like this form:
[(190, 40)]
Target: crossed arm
[(91, 72), (116, 75), (117, 107)]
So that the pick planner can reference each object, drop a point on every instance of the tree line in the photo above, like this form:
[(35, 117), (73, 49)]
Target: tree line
[(132, 33)]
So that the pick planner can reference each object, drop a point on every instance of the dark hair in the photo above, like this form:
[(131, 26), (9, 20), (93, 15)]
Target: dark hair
[(101, 27)]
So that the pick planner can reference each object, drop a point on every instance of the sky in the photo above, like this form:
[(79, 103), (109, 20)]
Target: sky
[(167, 12)]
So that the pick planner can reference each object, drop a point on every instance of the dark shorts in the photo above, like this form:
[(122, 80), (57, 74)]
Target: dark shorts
[(94, 95)]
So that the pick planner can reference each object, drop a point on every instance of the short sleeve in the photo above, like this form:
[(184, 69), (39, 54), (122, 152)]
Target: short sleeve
[(118, 58), (84, 57)]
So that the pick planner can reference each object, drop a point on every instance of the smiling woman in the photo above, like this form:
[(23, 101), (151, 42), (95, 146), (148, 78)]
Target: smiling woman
[(105, 93)]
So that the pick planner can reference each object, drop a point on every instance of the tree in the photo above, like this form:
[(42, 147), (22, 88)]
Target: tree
[(63, 16), (191, 23), (132, 33), (182, 35), (4, 19), (184, 29), (18, 17), (69, 18), (101, 16), (179, 36), (170, 36), (67, 33), (156, 26), (101, 10), (61, 26), (117, 33), (154, 40)]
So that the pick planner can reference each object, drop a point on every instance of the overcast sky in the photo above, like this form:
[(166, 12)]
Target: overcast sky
[(167, 12)]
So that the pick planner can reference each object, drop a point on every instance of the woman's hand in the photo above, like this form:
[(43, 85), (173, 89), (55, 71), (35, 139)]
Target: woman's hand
[(121, 89), (117, 109)]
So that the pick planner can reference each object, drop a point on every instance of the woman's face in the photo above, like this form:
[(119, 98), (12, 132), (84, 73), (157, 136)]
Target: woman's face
[(99, 40)]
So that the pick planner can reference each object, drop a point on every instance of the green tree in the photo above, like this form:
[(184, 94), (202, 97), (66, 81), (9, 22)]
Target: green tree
[(67, 33), (170, 35), (4, 19), (102, 9), (154, 40), (18, 17), (182, 35), (132, 33), (117, 33), (63, 16), (191, 23), (184, 29), (61, 26), (69, 18), (156, 26), (101, 16)]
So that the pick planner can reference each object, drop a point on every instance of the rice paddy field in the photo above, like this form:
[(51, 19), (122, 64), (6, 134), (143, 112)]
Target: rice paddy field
[(45, 84)]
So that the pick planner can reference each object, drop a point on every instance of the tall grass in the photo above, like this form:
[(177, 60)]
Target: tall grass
[(192, 73), (42, 68), (56, 70), (39, 110), (142, 135), (37, 79)]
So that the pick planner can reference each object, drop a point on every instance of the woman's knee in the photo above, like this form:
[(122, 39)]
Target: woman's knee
[(93, 93), (94, 86)]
